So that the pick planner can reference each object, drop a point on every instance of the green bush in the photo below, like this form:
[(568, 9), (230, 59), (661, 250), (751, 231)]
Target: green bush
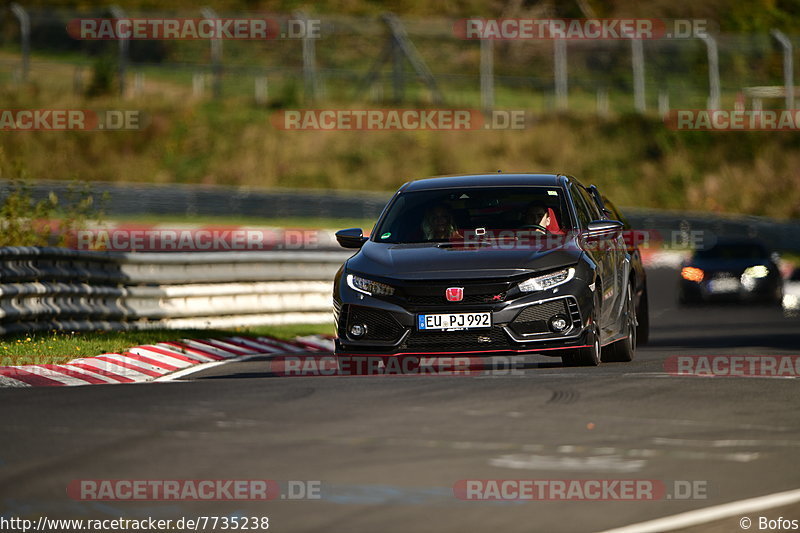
[(50, 221), (104, 77)]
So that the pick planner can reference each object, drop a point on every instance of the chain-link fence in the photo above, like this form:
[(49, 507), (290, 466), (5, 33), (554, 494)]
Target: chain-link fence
[(378, 60)]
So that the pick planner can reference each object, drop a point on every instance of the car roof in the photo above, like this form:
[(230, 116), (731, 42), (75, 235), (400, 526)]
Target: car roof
[(727, 240), (499, 179), (732, 242)]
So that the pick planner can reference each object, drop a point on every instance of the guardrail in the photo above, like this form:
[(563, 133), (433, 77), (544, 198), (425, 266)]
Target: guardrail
[(174, 199), (63, 289)]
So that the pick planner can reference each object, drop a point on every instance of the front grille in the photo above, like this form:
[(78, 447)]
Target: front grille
[(433, 293), (468, 299), (381, 325), (458, 341), (535, 318)]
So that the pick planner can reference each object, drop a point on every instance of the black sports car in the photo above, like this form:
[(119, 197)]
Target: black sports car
[(487, 264), (732, 269)]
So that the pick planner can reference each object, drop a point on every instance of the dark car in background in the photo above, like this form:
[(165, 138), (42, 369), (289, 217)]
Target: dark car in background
[(489, 264), (731, 269), (791, 292)]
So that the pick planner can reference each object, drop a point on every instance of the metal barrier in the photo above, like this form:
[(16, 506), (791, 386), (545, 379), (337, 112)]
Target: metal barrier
[(124, 199), (63, 289)]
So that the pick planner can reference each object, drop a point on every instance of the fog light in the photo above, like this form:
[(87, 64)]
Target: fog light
[(358, 330), (559, 324)]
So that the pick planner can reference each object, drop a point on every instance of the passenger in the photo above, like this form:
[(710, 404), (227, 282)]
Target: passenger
[(438, 224)]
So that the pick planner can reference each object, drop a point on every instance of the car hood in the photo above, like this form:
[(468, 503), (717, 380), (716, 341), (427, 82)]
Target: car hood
[(429, 261)]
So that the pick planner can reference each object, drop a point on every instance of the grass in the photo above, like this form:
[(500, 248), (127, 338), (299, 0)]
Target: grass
[(636, 160), (60, 347)]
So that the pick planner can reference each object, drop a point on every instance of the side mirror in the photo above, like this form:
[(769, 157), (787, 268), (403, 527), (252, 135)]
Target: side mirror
[(604, 229), (351, 238)]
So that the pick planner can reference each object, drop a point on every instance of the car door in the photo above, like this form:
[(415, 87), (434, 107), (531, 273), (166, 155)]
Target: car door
[(605, 255)]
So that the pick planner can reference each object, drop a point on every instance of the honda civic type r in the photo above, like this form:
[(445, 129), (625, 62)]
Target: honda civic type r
[(489, 264)]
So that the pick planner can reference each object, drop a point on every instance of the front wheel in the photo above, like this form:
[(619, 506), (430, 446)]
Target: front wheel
[(587, 356)]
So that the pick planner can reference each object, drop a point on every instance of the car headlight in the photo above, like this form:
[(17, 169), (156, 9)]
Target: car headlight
[(758, 271), (369, 287), (547, 281)]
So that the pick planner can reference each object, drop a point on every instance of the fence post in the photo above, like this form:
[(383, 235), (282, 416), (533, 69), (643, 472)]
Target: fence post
[(398, 76), (216, 55), (637, 60), (663, 103), (77, 80), (118, 14), (198, 84), (713, 71), (487, 74), (262, 90), (309, 59), (788, 66), (602, 102), (25, 37), (560, 72), (138, 83), (398, 46)]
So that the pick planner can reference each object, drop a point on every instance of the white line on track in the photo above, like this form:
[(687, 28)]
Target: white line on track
[(711, 514), (725, 443)]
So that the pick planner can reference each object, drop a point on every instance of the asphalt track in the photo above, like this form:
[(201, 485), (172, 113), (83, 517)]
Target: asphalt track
[(389, 449)]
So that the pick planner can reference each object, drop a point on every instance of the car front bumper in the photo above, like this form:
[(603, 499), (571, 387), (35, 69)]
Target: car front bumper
[(519, 325)]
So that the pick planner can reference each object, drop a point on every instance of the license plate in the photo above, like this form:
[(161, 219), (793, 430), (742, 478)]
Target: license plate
[(724, 285), (454, 321)]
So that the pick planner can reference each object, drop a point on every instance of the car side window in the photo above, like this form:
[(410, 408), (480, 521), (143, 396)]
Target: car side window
[(594, 209), (584, 214)]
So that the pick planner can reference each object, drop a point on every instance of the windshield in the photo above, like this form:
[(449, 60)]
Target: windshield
[(491, 212)]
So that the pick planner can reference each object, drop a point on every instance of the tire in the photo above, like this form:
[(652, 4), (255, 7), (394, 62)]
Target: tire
[(686, 300), (643, 319), (623, 350), (589, 356)]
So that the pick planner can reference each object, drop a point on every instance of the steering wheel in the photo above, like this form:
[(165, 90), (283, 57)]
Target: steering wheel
[(535, 227)]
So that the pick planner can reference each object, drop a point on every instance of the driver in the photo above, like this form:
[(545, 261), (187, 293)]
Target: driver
[(438, 224), (538, 215)]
